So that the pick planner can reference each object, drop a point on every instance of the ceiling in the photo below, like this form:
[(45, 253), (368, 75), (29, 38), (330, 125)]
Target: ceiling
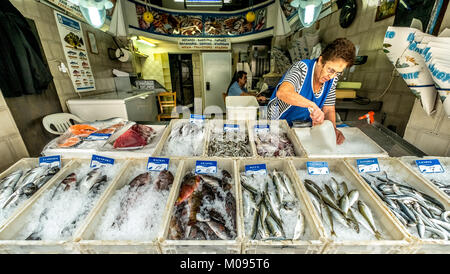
[(232, 6)]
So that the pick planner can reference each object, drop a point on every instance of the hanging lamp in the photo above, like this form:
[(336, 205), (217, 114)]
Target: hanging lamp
[(250, 16), (147, 16), (308, 10)]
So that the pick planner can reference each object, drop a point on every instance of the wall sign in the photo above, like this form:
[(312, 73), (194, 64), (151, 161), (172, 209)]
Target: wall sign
[(74, 48), (204, 43)]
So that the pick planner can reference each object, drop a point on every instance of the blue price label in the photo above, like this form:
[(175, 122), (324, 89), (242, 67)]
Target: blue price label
[(197, 119), (50, 160), (230, 127), (206, 167), (430, 166), (317, 168), (259, 169), (262, 128), (368, 165), (157, 164), (98, 136), (99, 161)]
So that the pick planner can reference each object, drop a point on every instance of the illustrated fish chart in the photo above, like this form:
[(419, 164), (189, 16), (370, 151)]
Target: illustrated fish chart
[(74, 47)]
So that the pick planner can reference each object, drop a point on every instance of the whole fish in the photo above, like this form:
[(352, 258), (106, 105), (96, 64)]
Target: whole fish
[(220, 229), (230, 208), (94, 176), (246, 184), (274, 228), (164, 181), (187, 188), (211, 180), (130, 198), (8, 184), (334, 186), (254, 223), (330, 193), (344, 204), (442, 235), (330, 220), (420, 226), (30, 176), (367, 214), (353, 197), (299, 226), (226, 182), (288, 184)]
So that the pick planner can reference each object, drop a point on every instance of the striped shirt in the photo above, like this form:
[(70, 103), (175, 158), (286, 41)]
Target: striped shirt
[(296, 75)]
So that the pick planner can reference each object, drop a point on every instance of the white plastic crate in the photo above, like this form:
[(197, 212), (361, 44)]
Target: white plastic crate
[(23, 164), (9, 233), (312, 241), (277, 126), (396, 242), (159, 148), (201, 246), (88, 243), (241, 107), (410, 163), (408, 177)]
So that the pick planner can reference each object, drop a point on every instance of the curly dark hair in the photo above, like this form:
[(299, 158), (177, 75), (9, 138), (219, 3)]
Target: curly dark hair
[(340, 48)]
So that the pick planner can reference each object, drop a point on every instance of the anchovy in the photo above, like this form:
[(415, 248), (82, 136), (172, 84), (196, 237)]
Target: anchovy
[(438, 232), (407, 211)]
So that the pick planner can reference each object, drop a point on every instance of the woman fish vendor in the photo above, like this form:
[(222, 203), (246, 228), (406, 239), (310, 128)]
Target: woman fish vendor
[(306, 92)]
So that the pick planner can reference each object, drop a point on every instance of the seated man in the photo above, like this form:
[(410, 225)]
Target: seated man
[(237, 87)]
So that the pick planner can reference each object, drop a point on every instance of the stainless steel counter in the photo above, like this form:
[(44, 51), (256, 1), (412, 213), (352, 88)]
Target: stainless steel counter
[(395, 145)]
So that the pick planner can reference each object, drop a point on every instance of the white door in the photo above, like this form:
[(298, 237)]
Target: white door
[(216, 78)]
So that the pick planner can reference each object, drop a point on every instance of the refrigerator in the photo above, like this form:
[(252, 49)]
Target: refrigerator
[(135, 105)]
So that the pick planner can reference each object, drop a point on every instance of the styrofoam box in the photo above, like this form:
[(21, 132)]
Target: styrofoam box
[(159, 148), (201, 246), (86, 235), (241, 107), (313, 245), (444, 178), (107, 150), (216, 125), (395, 240), (23, 164), (356, 144), (407, 177), (8, 234), (277, 126)]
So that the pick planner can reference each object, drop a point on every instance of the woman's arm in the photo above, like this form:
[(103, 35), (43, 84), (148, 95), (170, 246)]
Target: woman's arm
[(330, 114), (286, 93)]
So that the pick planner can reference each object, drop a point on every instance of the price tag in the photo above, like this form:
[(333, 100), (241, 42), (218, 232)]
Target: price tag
[(197, 119), (205, 167), (262, 128), (368, 165), (230, 127), (100, 161), (317, 168), (256, 169), (98, 136), (157, 164), (51, 161), (430, 166)]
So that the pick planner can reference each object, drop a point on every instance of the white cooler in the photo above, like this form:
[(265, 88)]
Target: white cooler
[(133, 106), (241, 107)]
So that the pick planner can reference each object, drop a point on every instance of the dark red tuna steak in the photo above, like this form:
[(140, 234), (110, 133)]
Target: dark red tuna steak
[(130, 139)]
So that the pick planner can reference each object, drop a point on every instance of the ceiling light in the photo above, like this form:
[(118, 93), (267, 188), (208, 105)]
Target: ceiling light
[(308, 10)]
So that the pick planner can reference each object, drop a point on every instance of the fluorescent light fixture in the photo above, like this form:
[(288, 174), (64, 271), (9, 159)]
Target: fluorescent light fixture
[(308, 10), (144, 41), (94, 10)]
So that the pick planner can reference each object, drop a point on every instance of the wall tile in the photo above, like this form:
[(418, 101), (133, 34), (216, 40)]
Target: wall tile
[(411, 135), (432, 144)]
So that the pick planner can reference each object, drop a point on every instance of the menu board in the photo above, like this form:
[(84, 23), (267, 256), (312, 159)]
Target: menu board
[(74, 48)]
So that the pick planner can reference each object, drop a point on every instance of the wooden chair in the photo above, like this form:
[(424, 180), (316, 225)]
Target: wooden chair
[(167, 102)]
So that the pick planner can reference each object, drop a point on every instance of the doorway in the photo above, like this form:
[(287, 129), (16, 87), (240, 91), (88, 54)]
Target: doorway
[(28, 110), (181, 74)]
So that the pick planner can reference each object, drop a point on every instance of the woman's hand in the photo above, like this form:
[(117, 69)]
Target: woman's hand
[(339, 136), (317, 115)]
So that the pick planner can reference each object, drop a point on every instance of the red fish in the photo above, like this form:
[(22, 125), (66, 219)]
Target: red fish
[(188, 187)]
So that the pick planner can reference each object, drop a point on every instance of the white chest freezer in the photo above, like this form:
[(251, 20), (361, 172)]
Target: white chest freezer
[(137, 105)]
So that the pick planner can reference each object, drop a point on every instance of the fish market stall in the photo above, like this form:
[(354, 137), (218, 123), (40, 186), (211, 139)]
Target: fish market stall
[(183, 139), (129, 217), (111, 138), (354, 221), (356, 144), (420, 208), (204, 216), (48, 223), (229, 139), (275, 216), (274, 138), (23, 181), (440, 177)]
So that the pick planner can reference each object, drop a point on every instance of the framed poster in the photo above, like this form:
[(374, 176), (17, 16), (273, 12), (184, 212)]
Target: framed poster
[(386, 9), (92, 42), (74, 47)]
